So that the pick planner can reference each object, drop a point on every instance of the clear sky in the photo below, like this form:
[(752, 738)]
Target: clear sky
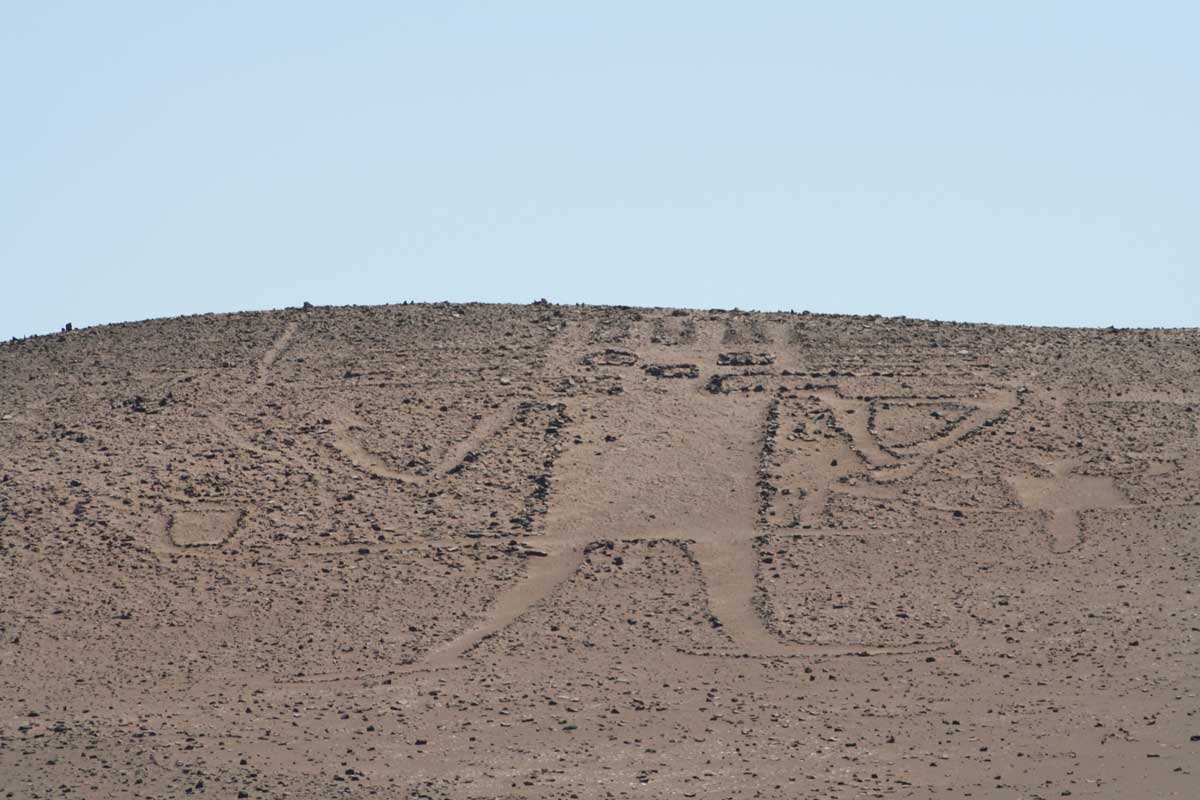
[(1024, 162)]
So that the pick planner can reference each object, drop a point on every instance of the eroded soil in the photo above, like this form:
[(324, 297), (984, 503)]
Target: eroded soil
[(471, 551)]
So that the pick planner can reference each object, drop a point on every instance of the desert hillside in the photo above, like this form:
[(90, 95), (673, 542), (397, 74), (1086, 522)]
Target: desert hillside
[(486, 551)]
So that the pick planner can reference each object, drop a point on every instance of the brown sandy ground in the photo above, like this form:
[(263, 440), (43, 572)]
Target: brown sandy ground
[(473, 551)]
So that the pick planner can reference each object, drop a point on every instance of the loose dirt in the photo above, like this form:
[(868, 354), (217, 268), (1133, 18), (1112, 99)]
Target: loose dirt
[(478, 551)]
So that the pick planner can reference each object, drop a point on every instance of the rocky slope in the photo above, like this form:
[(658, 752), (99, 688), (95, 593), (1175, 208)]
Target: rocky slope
[(551, 551)]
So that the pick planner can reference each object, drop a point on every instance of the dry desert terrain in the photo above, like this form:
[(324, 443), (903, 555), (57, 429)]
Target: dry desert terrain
[(487, 551)]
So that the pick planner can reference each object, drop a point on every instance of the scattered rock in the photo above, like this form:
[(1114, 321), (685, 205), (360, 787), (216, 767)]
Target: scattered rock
[(610, 357), (745, 359), (672, 370)]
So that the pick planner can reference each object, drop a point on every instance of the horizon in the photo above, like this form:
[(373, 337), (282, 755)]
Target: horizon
[(76, 327)]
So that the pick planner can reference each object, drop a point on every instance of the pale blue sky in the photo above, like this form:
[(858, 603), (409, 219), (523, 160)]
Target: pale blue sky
[(1029, 162)]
